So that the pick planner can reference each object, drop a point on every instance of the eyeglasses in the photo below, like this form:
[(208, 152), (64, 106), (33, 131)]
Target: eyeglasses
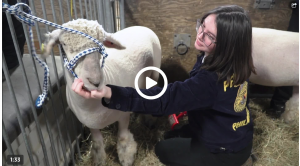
[(206, 38)]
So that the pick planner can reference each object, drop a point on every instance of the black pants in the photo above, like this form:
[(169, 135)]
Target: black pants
[(179, 151), (281, 95)]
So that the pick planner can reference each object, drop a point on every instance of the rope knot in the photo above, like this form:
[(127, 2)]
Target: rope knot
[(17, 11)]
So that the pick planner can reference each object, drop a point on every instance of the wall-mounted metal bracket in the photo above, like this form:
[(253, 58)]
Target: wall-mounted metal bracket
[(182, 43)]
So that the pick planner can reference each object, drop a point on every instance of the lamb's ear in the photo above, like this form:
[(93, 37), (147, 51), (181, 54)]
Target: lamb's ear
[(50, 41), (109, 40)]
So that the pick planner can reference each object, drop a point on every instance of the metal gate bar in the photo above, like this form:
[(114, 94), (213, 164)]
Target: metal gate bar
[(100, 13), (86, 10), (95, 10), (11, 90), (6, 139), (122, 14), (69, 12), (81, 12), (75, 10)]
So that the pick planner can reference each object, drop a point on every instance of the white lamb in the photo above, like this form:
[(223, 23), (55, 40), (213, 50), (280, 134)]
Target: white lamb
[(276, 59), (129, 50)]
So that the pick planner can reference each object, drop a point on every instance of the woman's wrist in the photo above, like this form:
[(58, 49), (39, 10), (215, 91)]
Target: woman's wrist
[(108, 93)]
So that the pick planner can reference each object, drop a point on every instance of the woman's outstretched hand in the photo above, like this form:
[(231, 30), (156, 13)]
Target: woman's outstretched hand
[(96, 94)]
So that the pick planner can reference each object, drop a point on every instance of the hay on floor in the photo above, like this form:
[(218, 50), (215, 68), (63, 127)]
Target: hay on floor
[(275, 142)]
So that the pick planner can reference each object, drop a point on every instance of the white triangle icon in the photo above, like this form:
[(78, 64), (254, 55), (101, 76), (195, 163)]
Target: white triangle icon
[(150, 83)]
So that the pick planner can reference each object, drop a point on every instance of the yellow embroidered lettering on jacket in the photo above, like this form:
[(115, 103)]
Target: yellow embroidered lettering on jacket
[(243, 122), (226, 84)]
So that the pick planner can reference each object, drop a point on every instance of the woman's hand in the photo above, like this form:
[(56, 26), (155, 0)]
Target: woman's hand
[(96, 94)]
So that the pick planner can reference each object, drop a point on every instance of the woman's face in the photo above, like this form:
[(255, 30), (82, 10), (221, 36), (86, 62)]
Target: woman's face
[(209, 28)]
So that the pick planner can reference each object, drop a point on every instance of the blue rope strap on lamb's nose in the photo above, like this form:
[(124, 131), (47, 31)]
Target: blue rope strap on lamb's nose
[(27, 18), (71, 64)]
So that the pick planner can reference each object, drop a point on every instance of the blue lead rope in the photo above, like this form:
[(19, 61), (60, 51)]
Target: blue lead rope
[(27, 18)]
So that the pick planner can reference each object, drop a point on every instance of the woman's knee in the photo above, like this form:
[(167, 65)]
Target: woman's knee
[(161, 151)]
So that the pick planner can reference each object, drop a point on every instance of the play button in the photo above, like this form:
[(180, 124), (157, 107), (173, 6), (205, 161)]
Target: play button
[(150, 82)]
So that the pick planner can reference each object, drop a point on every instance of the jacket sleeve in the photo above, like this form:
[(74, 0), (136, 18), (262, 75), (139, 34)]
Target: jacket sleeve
[(198, 92)]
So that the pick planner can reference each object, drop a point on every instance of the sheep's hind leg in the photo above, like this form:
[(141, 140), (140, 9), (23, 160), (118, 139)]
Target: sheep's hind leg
[(292, 107), (97, 151), (126, 146)]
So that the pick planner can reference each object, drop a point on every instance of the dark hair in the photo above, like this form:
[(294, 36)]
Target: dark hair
[(233, 50)]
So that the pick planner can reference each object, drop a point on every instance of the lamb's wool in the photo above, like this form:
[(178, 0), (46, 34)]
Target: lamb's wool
[(130, 50), (76, 42)]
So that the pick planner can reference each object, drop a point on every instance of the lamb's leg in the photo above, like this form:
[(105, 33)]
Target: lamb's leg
[(126, 146), (97, 151), (292, 107)]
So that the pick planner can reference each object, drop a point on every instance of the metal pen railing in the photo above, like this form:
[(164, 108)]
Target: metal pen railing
[(101, 10)]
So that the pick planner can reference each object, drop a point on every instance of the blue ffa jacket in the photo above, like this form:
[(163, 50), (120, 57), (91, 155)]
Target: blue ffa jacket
[(218, 111)]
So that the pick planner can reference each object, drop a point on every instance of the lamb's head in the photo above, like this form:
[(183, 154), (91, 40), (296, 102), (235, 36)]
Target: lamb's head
[(88, 68)]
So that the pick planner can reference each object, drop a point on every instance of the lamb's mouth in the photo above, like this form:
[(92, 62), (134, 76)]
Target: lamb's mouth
[(85, 88)]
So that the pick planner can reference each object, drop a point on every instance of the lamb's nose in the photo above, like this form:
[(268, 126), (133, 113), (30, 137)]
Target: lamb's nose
[(96, 84)]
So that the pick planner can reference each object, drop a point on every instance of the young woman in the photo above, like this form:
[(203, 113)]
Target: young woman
[(220, 128)]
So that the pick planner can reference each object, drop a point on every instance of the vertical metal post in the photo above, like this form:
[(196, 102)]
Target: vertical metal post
[(122, 14), (116, 14), (107, 11), (61, 12), (112, 21), (6, 140), (69, 10), (100, 13), (81, 12), (95, 10), (12, 93), (91, 10), (86, 9), (75, 10), (33, 12)]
